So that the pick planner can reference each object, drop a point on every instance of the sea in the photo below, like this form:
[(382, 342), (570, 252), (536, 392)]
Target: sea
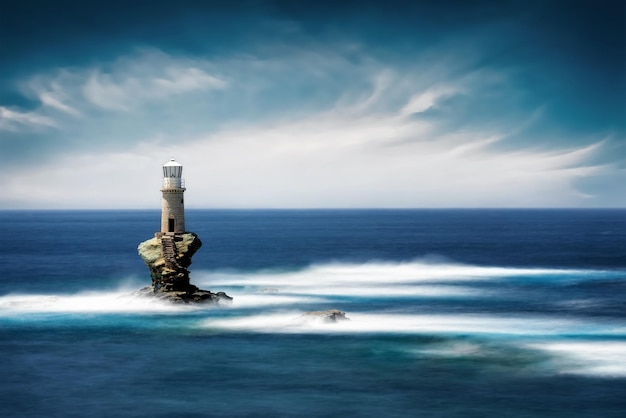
[(452, 313)]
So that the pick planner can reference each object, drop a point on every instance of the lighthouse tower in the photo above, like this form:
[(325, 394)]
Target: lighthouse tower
[(173, 203)]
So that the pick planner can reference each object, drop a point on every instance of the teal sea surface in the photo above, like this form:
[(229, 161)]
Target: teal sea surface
[(472, 313)]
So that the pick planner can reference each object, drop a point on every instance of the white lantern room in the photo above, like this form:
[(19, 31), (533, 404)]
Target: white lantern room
[(172, 174)]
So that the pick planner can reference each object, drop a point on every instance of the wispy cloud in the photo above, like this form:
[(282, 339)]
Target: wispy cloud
[(15, 120), (50, 99), (53, 94), (423, 101), (126, 89), (127, 85), (303, 129)]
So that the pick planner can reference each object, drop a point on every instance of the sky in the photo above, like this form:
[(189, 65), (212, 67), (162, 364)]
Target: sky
[(298, 104)]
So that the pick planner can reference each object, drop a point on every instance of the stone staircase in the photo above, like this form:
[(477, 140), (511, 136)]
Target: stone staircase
[(169, 251)]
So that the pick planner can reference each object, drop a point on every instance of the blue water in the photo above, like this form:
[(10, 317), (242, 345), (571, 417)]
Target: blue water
[(473, 313)]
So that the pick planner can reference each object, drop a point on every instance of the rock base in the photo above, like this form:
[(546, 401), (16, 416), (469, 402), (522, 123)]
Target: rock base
[(191, 295), (167, 257)]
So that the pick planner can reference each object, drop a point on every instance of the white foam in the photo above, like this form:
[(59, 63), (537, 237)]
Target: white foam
[(381, 291), (267, 300), (452, 349), (595, 358), (359, 322), (85, 302), (372, 273), (297, 294), (375, 279)]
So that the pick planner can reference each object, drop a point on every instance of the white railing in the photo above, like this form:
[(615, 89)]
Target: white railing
[(173, 183)]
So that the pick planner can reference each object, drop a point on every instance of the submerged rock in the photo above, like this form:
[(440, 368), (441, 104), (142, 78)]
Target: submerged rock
[(168, 256), (328, 316)]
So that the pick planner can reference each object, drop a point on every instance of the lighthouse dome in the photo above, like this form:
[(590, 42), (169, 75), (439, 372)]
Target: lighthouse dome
[(172, 168)]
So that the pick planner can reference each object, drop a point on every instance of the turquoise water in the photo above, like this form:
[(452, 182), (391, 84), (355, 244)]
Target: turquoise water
[(452, 313)]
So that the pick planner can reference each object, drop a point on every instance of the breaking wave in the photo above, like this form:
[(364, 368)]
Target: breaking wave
[(414, 298), (84, 302)]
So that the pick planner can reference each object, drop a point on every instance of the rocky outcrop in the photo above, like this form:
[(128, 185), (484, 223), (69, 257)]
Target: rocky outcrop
[(167, 257), (192, 295)]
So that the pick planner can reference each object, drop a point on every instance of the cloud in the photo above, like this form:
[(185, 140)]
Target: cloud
[(49, 99), (52, 94), (301, 128), (127, 84), (15, 120), (265, 167), (367, 162), (426, 100), (125, 90), (331, 158)]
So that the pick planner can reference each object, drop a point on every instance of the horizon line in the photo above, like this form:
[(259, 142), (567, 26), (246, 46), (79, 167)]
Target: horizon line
[(319, 208)]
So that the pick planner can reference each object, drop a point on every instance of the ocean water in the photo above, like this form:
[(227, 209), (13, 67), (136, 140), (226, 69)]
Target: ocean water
[(473, 313)]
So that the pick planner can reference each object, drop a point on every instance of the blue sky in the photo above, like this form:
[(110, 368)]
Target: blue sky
[(313, 104)]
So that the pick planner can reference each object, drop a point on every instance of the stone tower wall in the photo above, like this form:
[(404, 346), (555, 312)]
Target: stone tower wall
[(173, 207)]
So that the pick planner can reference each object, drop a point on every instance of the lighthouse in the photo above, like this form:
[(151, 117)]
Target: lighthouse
[(173, 202), (168, 254)]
